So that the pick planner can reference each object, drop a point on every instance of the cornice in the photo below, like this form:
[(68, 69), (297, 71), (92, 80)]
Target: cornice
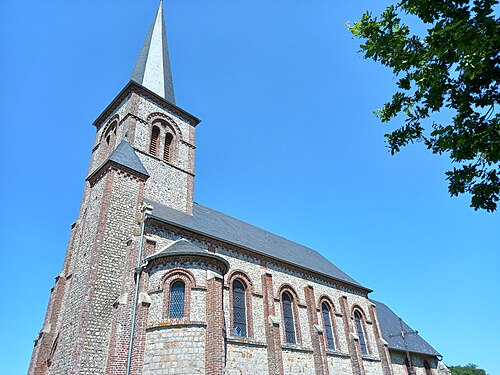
[(134, 87)]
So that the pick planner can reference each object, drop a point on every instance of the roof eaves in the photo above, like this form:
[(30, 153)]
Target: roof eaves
[(161, 219)]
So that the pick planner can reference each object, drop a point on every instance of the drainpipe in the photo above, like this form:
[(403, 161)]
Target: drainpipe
[(146, 212)]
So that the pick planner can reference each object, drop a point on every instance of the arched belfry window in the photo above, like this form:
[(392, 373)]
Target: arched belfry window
[(239, 309), (327, 323), (167, 151), (155, 141), (176, 305), (110, 135), (287, 301), (361, 335)]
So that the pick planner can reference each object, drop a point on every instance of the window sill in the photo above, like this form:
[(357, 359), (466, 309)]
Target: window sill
[(175, 323), (335, 353), (296, 348), (370, 358), (245, 341)]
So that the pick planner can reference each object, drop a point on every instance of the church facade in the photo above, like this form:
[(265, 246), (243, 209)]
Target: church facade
[(153, 283)]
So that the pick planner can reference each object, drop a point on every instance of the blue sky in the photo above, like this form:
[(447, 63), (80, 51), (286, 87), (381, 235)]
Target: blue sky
[(287, 142)]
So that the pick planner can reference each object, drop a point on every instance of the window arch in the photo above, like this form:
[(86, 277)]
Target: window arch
[(155, 140), (167, 150), (360, 331), (328, 326), (287, 302), (239, 309), (177, 299)]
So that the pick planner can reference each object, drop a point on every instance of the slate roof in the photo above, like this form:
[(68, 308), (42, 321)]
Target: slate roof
[(152, 68), (184, 247), (124, 155), (390, 325), (217, 225)]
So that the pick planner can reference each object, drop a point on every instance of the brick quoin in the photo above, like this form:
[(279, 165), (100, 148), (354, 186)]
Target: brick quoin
[(382, 349), (214, 343), (273, 339), (319, 354), (356, 360)]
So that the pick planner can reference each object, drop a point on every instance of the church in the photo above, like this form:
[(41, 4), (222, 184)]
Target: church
[(154, 283)]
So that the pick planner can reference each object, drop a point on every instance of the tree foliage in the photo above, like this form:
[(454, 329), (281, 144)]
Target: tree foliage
[(454, 66), (470, 369)]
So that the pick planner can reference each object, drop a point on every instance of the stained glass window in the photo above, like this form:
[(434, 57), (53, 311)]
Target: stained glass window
[(288, 318), (327, 320), (177, 292), (239, 313), (361, 335)]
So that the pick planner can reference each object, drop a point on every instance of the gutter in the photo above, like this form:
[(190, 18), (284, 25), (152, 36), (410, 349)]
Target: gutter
[(138, 271)]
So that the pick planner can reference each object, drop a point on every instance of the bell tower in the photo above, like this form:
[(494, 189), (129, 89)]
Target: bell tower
[(143, 150), (145, 114)]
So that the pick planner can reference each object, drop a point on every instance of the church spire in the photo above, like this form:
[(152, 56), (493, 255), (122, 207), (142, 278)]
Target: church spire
[(152, 69)]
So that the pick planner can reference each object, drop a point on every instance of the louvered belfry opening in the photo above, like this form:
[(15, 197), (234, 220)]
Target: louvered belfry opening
[(176, 306), (239, 309), (288, 318), (167, 151), (155, 140)]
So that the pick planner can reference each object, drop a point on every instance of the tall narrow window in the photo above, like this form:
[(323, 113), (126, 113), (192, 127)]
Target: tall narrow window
[(327, 320), (239, 313), (167, 151), (361, 335), (155, 140), (288, 318), (176, 306)]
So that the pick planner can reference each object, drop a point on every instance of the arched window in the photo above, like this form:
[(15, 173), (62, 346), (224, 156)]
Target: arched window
[(155, 141), (287, 301), (361, 335), (167, 151), (427, 368), (177, 292), (239, 309), (327, 322), (110, 135)]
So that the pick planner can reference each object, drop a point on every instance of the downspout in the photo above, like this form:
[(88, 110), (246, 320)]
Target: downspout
[(146, 211)]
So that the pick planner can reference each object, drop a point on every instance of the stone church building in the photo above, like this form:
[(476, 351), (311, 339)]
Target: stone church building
[(153, 283)]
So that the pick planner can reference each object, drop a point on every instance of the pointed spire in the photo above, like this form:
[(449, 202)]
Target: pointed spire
[(152, 69)]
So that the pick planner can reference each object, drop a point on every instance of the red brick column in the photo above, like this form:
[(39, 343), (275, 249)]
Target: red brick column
[(319, 354), (273, 338), (356, 360), (214, 342), (383, 351)]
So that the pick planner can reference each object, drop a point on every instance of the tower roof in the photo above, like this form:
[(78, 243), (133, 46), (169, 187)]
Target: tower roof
[(152, 69)]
